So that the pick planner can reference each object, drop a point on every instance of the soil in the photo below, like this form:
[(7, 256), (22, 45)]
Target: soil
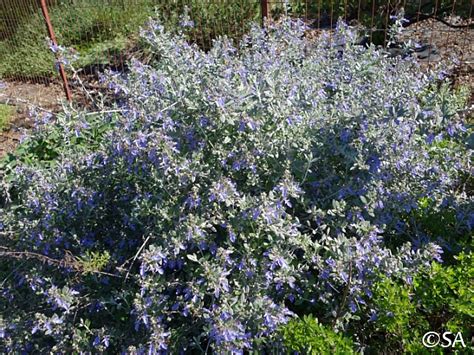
[(455, 46), (23, 97)]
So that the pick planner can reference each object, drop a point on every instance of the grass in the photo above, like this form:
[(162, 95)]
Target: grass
[(6, 113)]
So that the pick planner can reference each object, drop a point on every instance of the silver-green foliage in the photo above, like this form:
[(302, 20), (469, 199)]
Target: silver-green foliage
[(238, 186)]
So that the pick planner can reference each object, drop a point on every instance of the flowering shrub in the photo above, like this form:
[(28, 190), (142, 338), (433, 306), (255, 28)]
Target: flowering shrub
[(232, 190)]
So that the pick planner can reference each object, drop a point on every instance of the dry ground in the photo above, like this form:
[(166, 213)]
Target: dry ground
[(22, 97)]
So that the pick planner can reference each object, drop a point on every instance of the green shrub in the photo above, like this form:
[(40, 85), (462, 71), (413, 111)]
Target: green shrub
[(47, 143), (21, 10), (307, 336), (6, 112), (210, 19), (88, 26), (440, 300), (397, 325), (445, 295)]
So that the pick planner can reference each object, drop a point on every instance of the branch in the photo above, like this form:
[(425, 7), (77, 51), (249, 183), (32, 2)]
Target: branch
[(68, 261), (137, 255), (7, 100), (345, 295)]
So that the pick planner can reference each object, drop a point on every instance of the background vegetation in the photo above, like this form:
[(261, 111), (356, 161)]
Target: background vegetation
[(6, 113)]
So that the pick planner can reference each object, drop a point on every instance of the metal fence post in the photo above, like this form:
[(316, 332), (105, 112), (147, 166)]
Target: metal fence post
[(264, 9), (49, 26)]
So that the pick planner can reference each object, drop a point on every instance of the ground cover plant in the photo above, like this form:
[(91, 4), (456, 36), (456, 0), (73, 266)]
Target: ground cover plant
[(238, 199)]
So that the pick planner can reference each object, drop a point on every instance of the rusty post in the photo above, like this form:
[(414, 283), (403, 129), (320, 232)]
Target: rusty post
[(47, 20), (264, 8)]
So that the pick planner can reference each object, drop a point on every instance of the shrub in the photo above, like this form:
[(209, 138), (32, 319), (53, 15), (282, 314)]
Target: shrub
[(445, 295), (51, 138), (6, 112), (235, 189), (307, 336), (96, 30), (207, 20), (394, 323), (438, 299)]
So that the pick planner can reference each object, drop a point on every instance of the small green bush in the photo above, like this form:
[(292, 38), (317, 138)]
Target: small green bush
[(440, 300), (47, 143), (446, 295), (6, 112), (307, 336), (396, 326)]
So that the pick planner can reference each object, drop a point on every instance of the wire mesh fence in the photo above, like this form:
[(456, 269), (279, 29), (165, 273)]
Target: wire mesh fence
[(105, 33)]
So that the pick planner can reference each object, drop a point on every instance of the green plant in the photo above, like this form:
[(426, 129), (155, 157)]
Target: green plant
[(209, 19), (95, 29), (307, 336), (439, 299), (93, 261), (50, 138), (12, 12), (396, 324), (6, 112), (445, 295)]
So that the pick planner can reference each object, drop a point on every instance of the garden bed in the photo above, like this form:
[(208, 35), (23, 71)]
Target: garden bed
[(289, 195)]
